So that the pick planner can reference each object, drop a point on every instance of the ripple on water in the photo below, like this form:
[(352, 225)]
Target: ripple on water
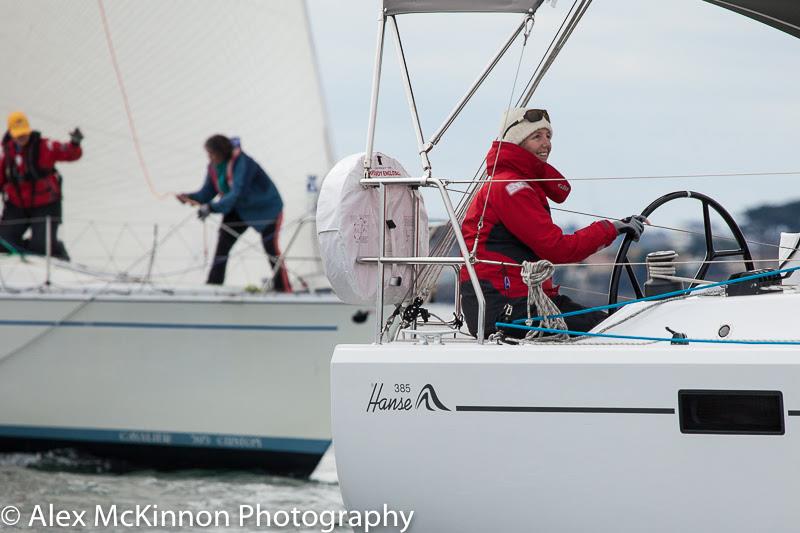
[(73, 481)]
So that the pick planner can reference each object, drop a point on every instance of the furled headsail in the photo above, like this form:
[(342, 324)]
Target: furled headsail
[(781, 14)]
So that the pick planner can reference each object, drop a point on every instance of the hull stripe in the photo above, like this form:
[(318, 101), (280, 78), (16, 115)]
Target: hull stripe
[(162, 325), (523, 409)]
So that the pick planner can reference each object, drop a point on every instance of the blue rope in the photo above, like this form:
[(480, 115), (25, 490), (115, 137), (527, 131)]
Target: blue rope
[(12, 250), (641, 338), (659, 296)]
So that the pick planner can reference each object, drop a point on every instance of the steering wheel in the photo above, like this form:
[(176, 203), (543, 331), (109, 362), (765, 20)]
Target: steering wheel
[(711, 254)]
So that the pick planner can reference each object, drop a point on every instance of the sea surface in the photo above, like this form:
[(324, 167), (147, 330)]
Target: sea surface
[(74, 483)]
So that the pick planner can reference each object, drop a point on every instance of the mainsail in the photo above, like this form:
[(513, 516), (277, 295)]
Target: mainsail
[(148, 81)]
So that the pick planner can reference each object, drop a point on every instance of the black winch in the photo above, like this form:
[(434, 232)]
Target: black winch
[(752, 286)]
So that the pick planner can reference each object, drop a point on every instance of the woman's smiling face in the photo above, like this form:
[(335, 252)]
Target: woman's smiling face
[(538, 143)]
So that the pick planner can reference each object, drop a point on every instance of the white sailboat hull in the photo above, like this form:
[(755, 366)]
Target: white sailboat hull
[(572, 438), (173, 381)]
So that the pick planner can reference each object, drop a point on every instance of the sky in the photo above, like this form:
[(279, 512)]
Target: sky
[(643, 88)]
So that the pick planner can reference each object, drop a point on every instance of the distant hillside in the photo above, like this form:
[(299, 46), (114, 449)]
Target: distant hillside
[(767, 221)]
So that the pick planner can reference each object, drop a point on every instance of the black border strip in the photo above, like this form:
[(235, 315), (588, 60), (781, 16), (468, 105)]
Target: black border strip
[(794, 413), (524, 409)]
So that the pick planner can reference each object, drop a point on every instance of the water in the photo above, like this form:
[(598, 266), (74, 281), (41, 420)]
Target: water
[(74, 482)]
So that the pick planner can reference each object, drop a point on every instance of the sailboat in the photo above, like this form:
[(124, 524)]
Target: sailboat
[(123, 351), (676, 413)]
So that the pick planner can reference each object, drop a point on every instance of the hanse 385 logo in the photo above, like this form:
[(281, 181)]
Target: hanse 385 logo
[(400, 399)]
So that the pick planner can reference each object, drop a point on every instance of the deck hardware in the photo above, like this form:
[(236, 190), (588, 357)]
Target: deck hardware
[(677, 335)]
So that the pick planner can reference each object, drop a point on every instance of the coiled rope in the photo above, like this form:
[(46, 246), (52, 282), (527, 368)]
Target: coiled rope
[(534, 275)]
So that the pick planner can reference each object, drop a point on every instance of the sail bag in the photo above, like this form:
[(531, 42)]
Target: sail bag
[(348, 228)]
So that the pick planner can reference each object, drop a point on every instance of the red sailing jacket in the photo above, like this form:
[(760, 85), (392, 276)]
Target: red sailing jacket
[(517, 225), (28, 178)]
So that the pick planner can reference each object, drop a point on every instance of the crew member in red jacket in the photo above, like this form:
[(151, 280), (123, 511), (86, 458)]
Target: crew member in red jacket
[(31, 186), (517, 226)]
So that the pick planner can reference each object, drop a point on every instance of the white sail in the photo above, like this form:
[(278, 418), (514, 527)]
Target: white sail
[(167, 74)]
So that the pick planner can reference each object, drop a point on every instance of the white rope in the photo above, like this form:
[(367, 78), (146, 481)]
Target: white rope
[(533, 275), (661, 264)]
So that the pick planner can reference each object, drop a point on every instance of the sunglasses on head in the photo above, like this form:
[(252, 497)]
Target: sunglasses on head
[(531, 115)]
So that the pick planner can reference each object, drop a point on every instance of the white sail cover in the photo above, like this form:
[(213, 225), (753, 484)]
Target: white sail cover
[(397, 7), (185, 70), (348, 222)]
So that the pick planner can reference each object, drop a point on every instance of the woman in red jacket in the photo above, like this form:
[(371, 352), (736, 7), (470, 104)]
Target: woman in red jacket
[(31, 186), (510, 217)]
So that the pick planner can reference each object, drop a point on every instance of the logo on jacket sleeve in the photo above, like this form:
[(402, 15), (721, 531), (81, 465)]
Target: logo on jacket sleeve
[(515, 187)]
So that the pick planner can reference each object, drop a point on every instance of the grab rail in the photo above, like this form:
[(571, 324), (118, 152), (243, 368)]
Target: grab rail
[(465, 258)]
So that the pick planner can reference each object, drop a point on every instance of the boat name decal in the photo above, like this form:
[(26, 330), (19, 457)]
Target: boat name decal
[(402, 399), (146, 437)]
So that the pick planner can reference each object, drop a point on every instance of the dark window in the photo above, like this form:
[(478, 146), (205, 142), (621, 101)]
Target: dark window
[(731, 411)]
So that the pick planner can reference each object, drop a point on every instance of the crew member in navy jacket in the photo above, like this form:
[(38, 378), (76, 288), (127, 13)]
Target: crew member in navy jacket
[(516, 226), (238, 188)]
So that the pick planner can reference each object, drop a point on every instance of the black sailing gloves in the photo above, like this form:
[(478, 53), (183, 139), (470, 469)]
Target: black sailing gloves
[(203, 211), (632, 225), (76, 136)]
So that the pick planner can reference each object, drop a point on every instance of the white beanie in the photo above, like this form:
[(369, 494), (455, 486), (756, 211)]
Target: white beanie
[(521, 128)]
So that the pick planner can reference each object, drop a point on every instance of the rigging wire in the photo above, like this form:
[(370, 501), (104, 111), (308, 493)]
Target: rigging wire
[(642, 263), (661, 177), (124, 276), (552, 54), (655, 226), (550, 46), (528, 28), (83, 303), (678, 230), (670, 294), (588, 291), (431, 273), (481, 170)]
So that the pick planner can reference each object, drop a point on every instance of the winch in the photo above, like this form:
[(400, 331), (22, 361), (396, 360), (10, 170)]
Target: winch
[(752, 286), (660, 265)]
